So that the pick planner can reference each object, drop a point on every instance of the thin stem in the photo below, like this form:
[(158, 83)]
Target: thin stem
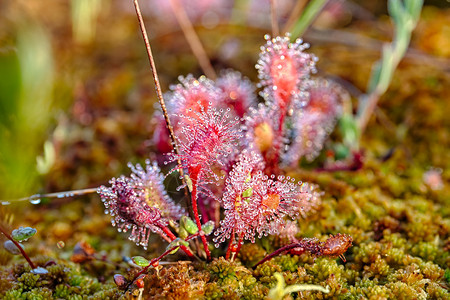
[(55, 195), (193, 39), (159, 91), (277, 252), (152, 263), (274, 18), (230, 246), (239, 245), (309, 14), (24, 254), (294, 15), (195, 178)]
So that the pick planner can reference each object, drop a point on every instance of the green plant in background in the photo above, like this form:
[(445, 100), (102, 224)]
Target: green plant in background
[(84, 15), (405, 15), (309, 14), (26, 86)]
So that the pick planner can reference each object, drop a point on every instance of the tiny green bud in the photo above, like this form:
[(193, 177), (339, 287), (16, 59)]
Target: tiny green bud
[(247, 193), (140, 261), (188, 224), (249, 177), (208, 227)]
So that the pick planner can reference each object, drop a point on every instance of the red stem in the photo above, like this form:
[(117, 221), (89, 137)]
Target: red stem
[(152, 262), (239, 243), (230, 246), (195, 178), (277, 252), (24, 254)]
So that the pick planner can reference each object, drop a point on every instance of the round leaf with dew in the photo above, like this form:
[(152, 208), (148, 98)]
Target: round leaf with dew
[(140, 261), (23, 233), (188, 225), (208, 227), (11, 247)]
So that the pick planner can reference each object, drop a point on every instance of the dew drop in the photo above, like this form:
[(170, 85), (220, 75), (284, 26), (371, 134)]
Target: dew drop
[(60, 244), (39, 270), (35, 201)]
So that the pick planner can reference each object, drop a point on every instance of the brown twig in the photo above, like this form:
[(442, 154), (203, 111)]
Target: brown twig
[(193, 39), (24, 254), (274, 18), (294, 15), (159, 91)]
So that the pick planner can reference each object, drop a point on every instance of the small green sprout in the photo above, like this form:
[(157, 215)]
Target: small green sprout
[(280, 289), (140, 261)]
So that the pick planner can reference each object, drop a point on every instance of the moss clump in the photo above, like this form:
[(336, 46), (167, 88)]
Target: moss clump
[(222, 270), (175, 282), (229, 280), (62, 281), (250, 254)]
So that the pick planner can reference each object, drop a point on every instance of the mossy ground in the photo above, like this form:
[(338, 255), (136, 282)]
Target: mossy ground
[(400, 226)]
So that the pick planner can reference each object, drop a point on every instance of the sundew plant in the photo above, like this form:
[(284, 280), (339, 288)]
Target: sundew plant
[(228, 149), (227, 145)]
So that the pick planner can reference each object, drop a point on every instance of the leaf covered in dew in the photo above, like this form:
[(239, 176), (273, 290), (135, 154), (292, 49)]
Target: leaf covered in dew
[(208, 227), (140, 261), (11, 247), (188, 224), (23, 233)]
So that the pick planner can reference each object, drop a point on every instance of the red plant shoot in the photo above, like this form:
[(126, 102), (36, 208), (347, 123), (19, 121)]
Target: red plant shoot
[(205, 140), (283, 67), (334, 246)]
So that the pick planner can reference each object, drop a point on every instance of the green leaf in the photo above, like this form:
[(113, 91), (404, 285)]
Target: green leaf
[(140, 261), (208, 227), (23, 233), (309, 14), (188, 225), (396, 10), (176, 243), (247, 193), (349, 129), (183, 233), (414, 7)]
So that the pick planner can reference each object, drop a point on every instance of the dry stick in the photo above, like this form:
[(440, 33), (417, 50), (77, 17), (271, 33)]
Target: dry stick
[(193, 39), (24, 254), (274, 18), (158, 91)]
